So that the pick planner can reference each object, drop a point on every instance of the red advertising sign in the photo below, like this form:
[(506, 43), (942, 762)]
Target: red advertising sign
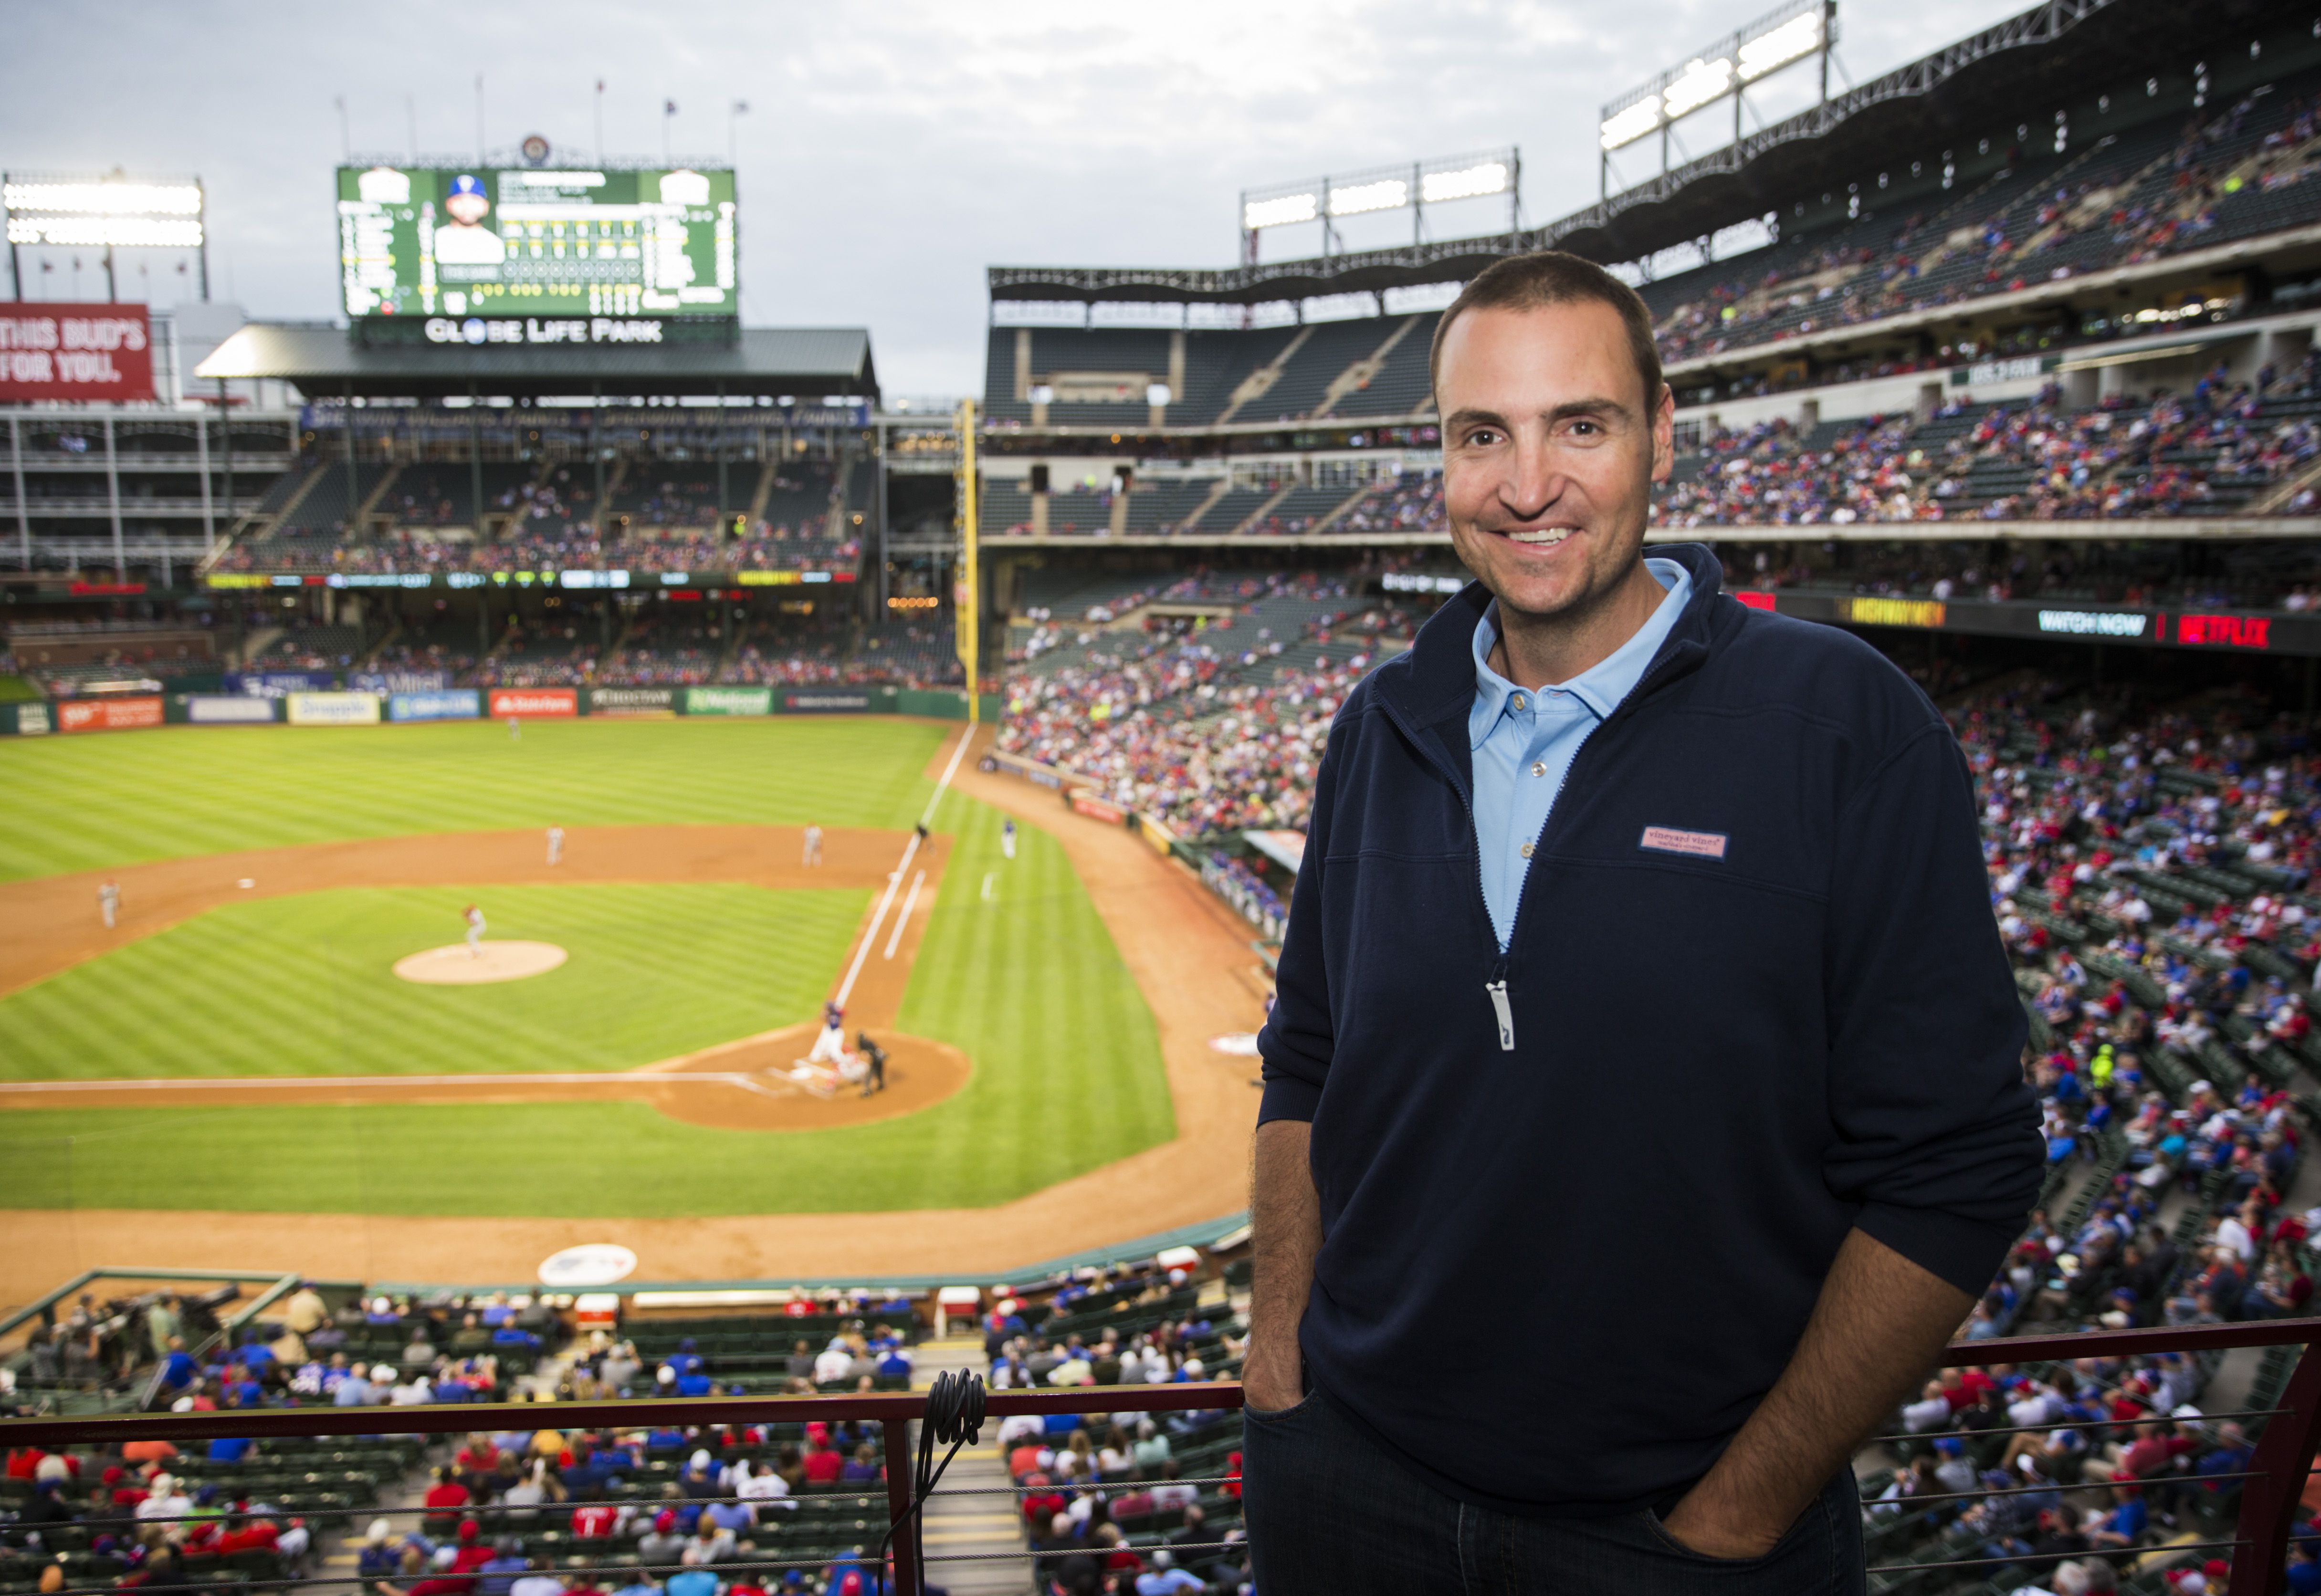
[(1753, 597), (108, 714), (1097, 809), (535, 703), (75, 352), (2224, 632)]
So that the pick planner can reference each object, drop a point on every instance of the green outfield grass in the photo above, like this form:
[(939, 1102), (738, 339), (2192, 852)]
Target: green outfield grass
[(127, 797), (1068, 1071), (305, 986)]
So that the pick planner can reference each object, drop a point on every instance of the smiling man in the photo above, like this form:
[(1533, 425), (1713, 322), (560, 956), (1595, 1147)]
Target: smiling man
[(1640, 1010)]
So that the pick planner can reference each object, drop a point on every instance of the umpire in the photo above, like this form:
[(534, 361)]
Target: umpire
[(1642, 1014)]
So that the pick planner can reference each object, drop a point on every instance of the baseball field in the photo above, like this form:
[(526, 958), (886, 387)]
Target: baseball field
[(282, 1044)]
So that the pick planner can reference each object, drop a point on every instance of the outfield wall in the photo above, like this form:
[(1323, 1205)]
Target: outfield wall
[(337, 707)]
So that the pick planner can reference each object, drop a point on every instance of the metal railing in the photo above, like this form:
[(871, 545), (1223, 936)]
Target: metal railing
[(2269, 1486)]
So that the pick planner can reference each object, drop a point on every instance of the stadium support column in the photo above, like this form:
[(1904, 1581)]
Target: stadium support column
[(966, 611), (723, 527), (595, 422), (354, 472), (202, 464), (225, 442), (476, 460), (113, 493), (17, 469)]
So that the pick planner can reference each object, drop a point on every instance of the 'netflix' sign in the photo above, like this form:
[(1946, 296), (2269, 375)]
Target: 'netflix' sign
[(75, 352)]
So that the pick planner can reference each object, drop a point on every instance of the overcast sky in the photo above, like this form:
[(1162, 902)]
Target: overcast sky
[(890, 151)]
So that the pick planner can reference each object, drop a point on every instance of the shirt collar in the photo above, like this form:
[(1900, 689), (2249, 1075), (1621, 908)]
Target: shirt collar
[(1602, 687)]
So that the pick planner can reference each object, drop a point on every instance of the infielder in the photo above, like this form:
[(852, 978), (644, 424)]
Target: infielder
[(1007, 839), (475, 918), (108, 901), (555, 845), (813, 845), (830, 1047)]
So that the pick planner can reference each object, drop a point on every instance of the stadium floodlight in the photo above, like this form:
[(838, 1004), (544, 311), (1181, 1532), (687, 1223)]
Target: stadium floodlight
[(105, 232), (1700, 83), (1726, 69), (1627, 126), (105, 199), (1798, 37), (1467, 183), (1281, 213), (1389, 195), (106, 213)]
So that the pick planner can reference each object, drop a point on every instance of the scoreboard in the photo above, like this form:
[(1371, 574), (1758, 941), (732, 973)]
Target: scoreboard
[(437, 242)]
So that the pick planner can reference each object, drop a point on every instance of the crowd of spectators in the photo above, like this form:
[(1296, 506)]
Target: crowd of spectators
[(1098, 1493), (2011, 241), (559, 546), (1207, 732), (2204, 453)]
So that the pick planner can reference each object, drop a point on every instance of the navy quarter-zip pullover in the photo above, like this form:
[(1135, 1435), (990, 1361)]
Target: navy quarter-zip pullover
[(1754, 998)]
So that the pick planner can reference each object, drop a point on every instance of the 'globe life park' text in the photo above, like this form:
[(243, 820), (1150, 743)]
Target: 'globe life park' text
[(480, 330)]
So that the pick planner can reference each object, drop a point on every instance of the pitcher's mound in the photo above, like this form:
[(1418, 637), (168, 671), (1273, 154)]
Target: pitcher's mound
[(492, 961)]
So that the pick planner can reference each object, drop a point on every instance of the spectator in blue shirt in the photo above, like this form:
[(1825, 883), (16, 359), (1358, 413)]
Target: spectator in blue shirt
[(499, 1573)]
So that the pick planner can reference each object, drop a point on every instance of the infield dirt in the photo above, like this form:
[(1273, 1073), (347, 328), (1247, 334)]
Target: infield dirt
[(1189, 955)]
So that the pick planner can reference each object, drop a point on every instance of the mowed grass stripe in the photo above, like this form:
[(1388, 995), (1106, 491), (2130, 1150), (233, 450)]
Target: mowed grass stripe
[(92, 803), (305, 985), (1067, 1077)]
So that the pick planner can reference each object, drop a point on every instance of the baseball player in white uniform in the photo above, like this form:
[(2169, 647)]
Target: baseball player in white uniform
[(813, 845), (516, 729), (108, 901), (1007, 839), (830, 1047), (555, 845), (475, 918)]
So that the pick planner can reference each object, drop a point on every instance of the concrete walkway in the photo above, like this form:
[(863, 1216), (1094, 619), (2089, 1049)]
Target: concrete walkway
[(961, 1524)]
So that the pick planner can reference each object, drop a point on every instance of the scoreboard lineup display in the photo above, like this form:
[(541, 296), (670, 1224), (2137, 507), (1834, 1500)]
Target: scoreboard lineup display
[(453, 241)]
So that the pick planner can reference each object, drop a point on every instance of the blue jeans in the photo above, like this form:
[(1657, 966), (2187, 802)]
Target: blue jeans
[(1330, 1514)]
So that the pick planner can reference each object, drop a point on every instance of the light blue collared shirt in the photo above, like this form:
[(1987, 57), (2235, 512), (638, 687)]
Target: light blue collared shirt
[(1524, 741)]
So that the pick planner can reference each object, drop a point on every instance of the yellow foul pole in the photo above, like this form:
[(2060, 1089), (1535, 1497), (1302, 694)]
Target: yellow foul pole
[(966, 606)]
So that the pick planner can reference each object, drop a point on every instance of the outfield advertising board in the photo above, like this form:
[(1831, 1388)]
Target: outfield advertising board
[(228, 709), (332, 709), (729, 701), (535, 703), (107, 715), (826, 703), (399, 681), (278, 683), (1096, 809), (632, 700), (453, 704), (28, 720)]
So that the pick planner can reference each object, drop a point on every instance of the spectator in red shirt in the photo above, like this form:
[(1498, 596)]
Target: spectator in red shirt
[(824, 1462), (594, 1518), (444, 1498)]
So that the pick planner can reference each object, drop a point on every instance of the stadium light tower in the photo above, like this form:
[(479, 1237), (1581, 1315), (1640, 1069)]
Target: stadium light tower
[(1412, 188), (107, 212), (1798, 30)]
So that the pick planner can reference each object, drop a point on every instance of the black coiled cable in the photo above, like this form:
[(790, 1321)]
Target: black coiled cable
[(954, 1415)]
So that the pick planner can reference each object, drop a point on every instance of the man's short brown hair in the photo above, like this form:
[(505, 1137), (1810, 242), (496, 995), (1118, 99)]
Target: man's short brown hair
[(1551, 277)]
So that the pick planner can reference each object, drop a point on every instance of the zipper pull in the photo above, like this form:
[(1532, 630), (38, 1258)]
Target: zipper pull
[(1499, 994)]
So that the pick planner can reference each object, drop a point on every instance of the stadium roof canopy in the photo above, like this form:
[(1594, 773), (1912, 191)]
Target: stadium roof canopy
[(2051, 55), (816, 362)]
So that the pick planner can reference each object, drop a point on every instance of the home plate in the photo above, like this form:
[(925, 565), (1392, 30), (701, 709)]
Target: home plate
[(491, 961)]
